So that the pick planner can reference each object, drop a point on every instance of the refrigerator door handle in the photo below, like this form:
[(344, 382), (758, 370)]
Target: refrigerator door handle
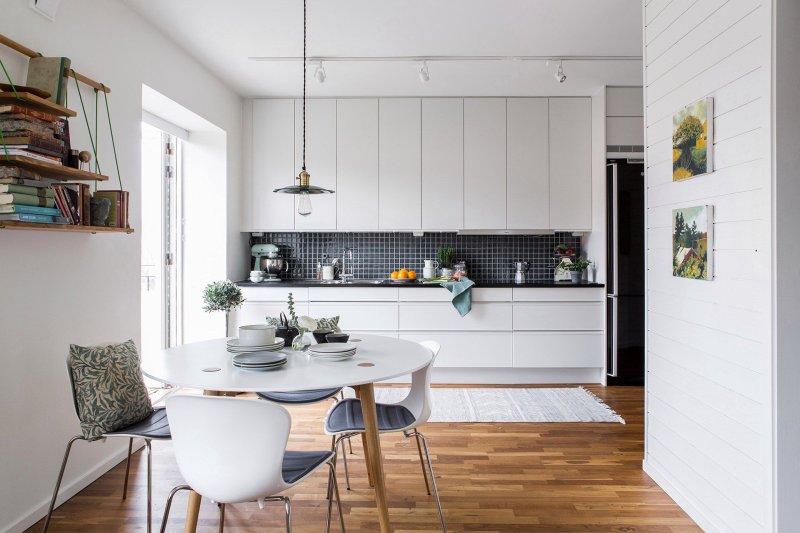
[(615, 226), (612, 370)]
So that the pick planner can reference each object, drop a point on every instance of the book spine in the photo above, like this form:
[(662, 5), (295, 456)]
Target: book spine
[(28, 218), (19, 110), (24, 189), (61, 202), (32, 155), (26, 199), (29, 209)]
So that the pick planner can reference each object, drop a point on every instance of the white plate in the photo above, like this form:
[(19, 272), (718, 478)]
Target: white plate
[(258, 349), (234, 343), (259, 358), (333, 347)]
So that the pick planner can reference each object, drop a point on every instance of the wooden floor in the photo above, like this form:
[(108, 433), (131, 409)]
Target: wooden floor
[(553, 478)]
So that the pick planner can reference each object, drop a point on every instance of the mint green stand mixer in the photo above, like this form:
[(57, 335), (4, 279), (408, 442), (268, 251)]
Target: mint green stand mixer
[(268, 258)]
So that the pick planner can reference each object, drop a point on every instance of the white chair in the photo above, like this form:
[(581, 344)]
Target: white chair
[(233, 450), (344, 420)]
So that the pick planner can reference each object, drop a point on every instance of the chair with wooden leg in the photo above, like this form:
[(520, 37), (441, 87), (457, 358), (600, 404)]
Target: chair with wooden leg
[(233, 450), (103, 370), (345, 419)]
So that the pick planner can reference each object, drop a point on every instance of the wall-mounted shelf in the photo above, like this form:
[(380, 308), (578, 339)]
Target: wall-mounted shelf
[(50, 170), (13, 224), (38, 103)]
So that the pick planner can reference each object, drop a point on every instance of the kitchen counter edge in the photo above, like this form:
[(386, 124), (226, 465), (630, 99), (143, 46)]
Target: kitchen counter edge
[(530, 285)]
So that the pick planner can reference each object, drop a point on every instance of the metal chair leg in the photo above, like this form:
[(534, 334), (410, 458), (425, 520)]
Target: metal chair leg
[(332, 484), (422, 464), (58, 481), (169, 505), (288, 505), (221, 517), (147, 444), (340, 441), (127, 469), (433, 479), (350, 443)]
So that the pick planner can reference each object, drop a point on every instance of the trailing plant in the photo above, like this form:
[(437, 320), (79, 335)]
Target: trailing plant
[(292, 313), (446, 256), (222, 296)]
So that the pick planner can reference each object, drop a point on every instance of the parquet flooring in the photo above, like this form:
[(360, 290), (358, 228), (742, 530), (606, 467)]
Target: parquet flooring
[(493, 478)]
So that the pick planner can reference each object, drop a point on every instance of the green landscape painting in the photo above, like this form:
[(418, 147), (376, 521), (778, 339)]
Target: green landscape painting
[(693, 140), (692, 242)]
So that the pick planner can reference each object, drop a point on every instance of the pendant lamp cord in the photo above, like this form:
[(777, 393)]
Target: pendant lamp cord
[(304, 83)]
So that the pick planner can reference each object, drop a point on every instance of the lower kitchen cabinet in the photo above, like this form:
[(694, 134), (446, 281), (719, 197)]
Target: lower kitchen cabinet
[(487, 349), (558, 316), (548, 349), (435, 316), (358, 316)]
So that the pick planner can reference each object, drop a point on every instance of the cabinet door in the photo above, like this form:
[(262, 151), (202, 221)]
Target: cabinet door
[(528, 172), (273, 164), (442, 163), (484, 163), (571, 164), (400, 179), (320, 161), (357, 164)]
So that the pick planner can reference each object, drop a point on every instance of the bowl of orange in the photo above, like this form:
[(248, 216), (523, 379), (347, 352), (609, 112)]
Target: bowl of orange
[(403, 275)]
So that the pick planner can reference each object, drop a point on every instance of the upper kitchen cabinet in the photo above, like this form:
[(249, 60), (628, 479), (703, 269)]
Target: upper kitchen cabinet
[(273, 165), (484, 163), (357, 164), (571, 164), (399, 162), (320, 161), (442, 163), (528, 172)]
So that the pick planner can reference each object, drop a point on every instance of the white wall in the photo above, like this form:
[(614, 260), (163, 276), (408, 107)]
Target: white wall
[(786, 69), (84, 288), (709, 392)]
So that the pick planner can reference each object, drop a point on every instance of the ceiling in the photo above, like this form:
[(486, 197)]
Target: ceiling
[(224, 34)]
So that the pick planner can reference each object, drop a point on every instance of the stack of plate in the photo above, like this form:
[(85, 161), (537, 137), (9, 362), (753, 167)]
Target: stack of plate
[(336, 351), (259, 360), (234, 346)]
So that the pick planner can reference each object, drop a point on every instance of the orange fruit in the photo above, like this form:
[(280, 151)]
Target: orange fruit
[(412, 274), (404, 271), (394, 274), (403, 274)]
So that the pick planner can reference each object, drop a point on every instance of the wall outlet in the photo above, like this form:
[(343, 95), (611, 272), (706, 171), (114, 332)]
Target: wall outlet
[(46, 8)]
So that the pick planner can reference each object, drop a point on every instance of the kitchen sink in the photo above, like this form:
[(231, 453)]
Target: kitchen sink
[(343, 282)]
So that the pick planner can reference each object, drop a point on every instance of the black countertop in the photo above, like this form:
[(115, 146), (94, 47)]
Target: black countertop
[(372, 283)]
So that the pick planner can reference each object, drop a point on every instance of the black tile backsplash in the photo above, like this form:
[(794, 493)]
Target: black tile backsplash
[(489, 257)]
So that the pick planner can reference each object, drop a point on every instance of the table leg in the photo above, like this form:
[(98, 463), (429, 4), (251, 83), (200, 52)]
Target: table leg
[(193, 507), (365, 447), (374, 457)]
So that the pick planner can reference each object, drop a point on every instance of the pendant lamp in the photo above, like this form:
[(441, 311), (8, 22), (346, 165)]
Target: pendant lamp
[(304, 189)]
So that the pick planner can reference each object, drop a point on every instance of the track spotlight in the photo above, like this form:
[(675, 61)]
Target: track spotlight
[(424, 73), (560, 76), (319, 73)]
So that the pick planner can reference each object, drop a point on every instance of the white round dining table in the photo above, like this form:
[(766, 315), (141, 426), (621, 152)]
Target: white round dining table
[(208, 365)]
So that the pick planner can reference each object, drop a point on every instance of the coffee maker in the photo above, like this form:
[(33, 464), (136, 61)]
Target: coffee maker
[(268, 258)]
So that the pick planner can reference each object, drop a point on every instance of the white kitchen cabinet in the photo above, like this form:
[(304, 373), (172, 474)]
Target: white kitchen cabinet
[(320, 161), (358, 316), (435, 316), (528, 169), (357, 164), (559, 294), (273, 165), (484, 163), (442, 163), (479, 294), (399, 164), (548, 349), (571, 164), (487, 349), (555, 316)]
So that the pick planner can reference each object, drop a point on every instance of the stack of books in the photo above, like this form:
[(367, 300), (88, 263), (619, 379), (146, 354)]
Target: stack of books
[(31, 133), (27, 197)]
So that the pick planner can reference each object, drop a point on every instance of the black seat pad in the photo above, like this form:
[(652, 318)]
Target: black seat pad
[(299, 397), (155, 426), (347, 416), (296, 465)]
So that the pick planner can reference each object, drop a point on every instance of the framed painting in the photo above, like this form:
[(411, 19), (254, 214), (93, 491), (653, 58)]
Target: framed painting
[(693, 140), (693, 242)]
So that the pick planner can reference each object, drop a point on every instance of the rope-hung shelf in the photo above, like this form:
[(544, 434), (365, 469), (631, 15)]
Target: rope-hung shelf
[(33, 100)]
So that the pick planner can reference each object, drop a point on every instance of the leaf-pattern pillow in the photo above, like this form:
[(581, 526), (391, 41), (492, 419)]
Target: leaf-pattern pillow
[(109, 389), (331, 323)]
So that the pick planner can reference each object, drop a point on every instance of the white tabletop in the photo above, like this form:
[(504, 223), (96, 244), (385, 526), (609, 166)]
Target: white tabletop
[(191, 365)]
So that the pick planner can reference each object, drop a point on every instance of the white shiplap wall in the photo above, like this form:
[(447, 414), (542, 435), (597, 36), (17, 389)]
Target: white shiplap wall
[(708, 432)]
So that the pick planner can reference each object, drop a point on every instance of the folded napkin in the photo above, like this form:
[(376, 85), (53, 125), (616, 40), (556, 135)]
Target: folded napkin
[(462, 294)]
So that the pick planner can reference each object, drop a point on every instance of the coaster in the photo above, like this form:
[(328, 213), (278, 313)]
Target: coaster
[(366, 365), (212, 369)]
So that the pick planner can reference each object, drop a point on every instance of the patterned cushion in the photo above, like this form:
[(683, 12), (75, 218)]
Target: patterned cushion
[(331, 323), (108, 386)]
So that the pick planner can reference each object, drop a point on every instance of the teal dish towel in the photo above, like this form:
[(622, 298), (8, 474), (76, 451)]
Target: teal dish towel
[(462, 294)]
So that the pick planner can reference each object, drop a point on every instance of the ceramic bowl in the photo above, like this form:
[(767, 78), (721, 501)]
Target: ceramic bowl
[(337, 337), (321, 334)]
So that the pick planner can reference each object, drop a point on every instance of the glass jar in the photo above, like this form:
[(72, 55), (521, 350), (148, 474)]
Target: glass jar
[(302, 341)]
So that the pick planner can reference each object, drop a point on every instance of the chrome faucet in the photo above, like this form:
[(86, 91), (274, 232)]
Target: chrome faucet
[(347, 275)]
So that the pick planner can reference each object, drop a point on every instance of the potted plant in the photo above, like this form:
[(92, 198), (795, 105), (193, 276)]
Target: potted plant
[(222, 296), (575, 268), (446, 256)]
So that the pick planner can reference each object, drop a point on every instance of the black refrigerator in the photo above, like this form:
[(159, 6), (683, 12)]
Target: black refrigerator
[(626, 273)]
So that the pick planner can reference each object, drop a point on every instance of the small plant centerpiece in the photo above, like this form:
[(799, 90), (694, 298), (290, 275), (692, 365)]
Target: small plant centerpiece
[(222, 296), (575, 268), (446, 256), (302, 342)]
